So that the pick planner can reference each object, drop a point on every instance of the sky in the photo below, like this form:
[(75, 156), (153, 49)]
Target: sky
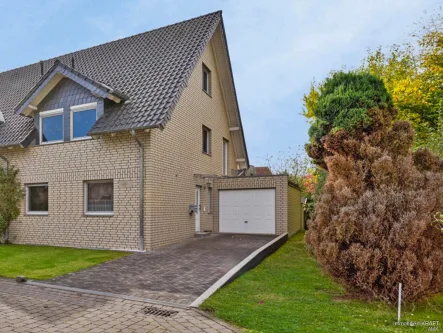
[(277, 47)]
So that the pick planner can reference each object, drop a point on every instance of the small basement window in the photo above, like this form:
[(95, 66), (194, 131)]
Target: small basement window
[(206, 135), (51, 126), (99, 197), (37, 199), (207, 84), (83, 117)]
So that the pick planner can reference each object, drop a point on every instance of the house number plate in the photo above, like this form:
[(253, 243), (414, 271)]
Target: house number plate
[(125, 183)]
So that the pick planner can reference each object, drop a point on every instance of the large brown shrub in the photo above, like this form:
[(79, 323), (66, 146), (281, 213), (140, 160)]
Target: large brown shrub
[(378, 219)]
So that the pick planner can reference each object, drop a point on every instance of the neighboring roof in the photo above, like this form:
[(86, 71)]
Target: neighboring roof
[(54, 75), (151, 69), (263, 171)]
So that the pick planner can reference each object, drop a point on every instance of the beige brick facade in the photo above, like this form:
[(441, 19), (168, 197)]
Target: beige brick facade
[(176, 156), (65, 167)]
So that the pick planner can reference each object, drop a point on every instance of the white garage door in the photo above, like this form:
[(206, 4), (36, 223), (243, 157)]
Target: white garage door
[(247, 211)]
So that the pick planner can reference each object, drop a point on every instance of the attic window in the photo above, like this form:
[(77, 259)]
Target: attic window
[(83, 117), (51, 126), (207, 84)]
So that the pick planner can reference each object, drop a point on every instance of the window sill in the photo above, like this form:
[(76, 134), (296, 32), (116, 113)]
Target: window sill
[(36, 214), (99, 214), (207, 93), (207, 154), (51, 142), (81, 139)]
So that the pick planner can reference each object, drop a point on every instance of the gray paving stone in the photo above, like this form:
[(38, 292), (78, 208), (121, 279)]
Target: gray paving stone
[(28, 308), (176, 274)]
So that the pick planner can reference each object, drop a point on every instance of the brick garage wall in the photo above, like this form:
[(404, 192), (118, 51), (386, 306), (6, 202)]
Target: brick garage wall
[(65, 167), (295, 210), (176, 156), (279, 183)]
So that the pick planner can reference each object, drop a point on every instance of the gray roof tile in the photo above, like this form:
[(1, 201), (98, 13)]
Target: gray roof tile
[(151, 69), (96, 87)]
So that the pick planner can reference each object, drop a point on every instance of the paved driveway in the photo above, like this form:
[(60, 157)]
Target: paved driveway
[(177, 274), (34, 309)]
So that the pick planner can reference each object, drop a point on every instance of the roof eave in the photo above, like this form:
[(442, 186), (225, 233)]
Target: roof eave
[(142, 128), (235, 91)]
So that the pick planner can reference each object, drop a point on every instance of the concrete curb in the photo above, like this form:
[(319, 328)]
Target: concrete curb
[(105, 294), (245, 265)]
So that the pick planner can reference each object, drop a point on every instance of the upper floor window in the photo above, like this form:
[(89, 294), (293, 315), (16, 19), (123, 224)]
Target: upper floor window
[(83, 117), (207, 80), (225, 157), (206, 134), (51, 126)]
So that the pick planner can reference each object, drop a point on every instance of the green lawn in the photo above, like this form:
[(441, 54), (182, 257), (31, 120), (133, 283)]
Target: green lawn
[(45, 262), (289, 293)]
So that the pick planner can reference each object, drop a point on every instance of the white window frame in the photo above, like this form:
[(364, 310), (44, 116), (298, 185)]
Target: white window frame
[(31, 212), (80, 108), (85, 210), (208, 140), (208, 72), (225, 157), (48, 114), (209, 200)]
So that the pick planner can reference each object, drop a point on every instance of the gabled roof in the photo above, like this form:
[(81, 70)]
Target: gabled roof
[(150, 70), (51, 78)]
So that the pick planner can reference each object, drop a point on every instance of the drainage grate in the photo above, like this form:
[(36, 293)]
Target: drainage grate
[(149, 310)]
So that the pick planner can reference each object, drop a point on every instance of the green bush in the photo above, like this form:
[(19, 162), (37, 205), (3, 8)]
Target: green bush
[(343, 103), (10, 196)]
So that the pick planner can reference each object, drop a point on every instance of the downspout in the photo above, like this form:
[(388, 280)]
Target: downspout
[(141, 187)]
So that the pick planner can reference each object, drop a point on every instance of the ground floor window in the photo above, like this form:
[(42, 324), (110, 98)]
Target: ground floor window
[(37, 199), (99, 197)]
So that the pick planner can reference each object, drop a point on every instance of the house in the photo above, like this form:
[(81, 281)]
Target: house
[(263, 171), (136, 144)]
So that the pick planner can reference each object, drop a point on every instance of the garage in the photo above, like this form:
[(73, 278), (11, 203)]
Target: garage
[(250, 211)]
